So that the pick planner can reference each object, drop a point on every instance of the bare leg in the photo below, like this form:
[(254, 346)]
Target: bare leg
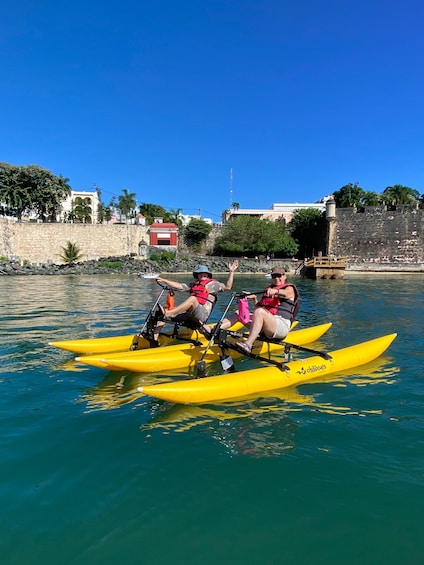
[(262, 321), (158, 329), (190, 304)]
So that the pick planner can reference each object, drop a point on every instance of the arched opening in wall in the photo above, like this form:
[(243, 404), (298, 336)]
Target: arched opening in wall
[(82, 212)]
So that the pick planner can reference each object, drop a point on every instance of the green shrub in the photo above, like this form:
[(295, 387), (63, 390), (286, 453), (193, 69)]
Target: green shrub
[(163, 258), (110, 264)]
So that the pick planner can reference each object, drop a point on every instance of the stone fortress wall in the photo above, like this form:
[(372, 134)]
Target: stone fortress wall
[(43, 243), (378, 238)]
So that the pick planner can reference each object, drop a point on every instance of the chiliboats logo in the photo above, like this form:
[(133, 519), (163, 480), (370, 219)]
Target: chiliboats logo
[(311, 369)]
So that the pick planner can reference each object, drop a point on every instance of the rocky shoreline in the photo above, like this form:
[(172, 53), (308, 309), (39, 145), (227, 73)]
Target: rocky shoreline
[(131, 265)]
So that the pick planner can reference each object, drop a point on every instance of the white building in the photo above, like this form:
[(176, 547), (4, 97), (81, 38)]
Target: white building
[(276, 211), (89, 200)]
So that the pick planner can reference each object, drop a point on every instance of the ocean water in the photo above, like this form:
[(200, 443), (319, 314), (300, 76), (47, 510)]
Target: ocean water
[(92, 472)]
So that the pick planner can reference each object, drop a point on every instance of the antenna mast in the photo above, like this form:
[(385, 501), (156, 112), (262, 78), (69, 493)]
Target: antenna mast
[(231, 188)]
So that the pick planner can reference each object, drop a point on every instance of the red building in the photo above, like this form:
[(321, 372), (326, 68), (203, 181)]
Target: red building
[(163, 234)]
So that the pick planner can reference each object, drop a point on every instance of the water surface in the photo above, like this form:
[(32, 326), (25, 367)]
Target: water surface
[(93, 472)]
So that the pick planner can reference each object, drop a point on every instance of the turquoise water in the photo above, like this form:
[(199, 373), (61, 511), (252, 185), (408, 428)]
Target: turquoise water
[(92, 472)]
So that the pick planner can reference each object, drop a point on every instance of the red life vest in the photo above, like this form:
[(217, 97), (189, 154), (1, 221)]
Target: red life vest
[(281, 306), (199, 290)]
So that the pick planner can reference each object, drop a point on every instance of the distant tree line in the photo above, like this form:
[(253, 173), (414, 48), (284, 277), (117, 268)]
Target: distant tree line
[(353, 195)]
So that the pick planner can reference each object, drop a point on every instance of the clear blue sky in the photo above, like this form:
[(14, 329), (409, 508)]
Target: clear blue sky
[(164, 97)]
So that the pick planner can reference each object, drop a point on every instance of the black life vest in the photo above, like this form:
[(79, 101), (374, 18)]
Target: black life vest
[(279, 306)]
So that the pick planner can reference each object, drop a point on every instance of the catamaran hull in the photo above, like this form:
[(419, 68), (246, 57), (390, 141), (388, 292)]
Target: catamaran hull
[(264, 379), (113, 344), (186, 356), (123, 343)]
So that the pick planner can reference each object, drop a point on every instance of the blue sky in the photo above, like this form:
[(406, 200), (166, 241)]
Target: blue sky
[(164, 97)]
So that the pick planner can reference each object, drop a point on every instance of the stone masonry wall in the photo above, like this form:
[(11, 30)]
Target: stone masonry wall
[(378, 238), (43, 243)]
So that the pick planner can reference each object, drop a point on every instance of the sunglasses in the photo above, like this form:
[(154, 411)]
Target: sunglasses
[(277, 275)]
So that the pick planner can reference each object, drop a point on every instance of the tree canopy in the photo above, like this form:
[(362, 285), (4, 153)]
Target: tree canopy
[(152, 211), (196, 232), (308, 228), (250, 236), (30, 187), (349, 195)]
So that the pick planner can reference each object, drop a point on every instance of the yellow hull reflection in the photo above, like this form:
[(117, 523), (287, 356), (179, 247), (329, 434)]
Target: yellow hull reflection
[(119, 389)]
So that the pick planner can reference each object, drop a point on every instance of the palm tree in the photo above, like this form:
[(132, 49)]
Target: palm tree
[(173, 215), (71, 253), (126, 203), (399, 194), (370, 198)]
